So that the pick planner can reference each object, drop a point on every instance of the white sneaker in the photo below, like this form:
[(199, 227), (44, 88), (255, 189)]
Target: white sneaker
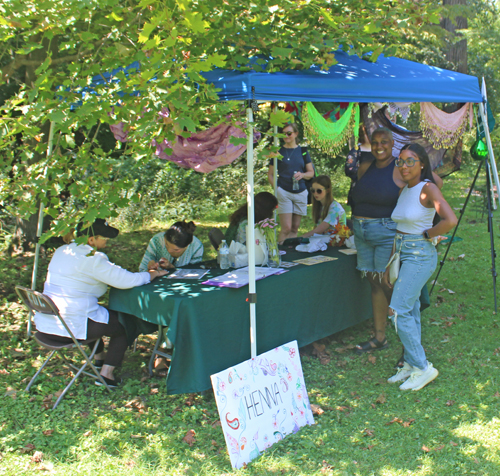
[(420, 378), (402, 374)]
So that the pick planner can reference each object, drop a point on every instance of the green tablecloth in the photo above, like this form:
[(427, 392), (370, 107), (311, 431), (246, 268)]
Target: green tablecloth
[(209, 326)]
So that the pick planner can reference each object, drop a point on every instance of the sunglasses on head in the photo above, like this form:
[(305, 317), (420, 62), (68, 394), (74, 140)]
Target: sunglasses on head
[(317, 190), (289, 133), (410, 162)]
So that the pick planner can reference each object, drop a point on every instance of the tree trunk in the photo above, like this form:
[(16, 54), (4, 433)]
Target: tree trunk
[(456, 52)]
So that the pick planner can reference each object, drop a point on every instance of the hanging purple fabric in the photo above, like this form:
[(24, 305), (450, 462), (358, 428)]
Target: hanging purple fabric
[(203, 151)]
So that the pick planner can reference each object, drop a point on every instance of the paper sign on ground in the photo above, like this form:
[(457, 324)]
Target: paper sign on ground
[(261, 401)]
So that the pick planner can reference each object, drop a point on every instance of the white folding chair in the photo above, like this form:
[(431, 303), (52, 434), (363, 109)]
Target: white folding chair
[(39, 302)]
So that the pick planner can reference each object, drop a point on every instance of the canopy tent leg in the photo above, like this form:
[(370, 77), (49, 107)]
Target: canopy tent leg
[(39, 230), (484, 117), (252, 296)]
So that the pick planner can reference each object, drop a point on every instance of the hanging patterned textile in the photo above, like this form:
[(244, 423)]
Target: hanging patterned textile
[(330, 136), (401, 109), (203, 151), (443, 161), (444, 130)]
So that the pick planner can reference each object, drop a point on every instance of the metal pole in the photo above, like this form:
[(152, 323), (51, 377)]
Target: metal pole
[(484, 117), (40, 227), (252, 296)]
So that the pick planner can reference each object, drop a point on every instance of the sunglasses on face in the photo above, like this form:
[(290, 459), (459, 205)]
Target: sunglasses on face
[(409, 162), (289, 133), (319, 191)]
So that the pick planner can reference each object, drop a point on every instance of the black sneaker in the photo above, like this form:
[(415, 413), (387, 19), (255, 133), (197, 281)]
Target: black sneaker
[(111, 383)]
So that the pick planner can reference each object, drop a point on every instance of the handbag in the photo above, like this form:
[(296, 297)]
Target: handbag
[(394, 265)]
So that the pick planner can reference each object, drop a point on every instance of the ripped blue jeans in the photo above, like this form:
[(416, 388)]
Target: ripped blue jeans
[(418, 262)]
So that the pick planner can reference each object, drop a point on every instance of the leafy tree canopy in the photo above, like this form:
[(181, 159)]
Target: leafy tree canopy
[(52, 48)]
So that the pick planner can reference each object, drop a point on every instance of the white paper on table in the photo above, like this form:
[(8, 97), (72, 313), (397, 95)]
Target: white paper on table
[(239, 277), (188, 274)]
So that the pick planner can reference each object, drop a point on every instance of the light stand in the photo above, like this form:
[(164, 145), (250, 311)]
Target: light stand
[(478, 152)]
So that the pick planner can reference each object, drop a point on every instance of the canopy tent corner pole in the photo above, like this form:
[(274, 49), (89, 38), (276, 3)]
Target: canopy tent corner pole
[(39, 229), (484, 117), (252, 295)]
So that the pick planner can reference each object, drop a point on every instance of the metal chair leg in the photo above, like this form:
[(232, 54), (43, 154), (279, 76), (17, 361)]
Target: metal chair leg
[(32, 381)]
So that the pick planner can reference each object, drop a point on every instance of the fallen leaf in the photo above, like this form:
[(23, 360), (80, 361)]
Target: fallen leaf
[(370, 447), (369, 432), (461, 256), (88, 433), (84, 414), (372, 359), (452, 443), (137, 436), (37, 457), (339, 350), (341, 408), (215, 424), (381, 399), (48, 432), (189, 438), (449, 403), (373, 405), (450, 291), (138, 404), (476, 461), (27, 448), (439, 448), (214, 443), (406, 424), (395, 420), (424, 448), (318, 348), (316, 409), (497, 394)]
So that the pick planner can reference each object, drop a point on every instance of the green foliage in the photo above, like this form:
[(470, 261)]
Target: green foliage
[(50, 50)]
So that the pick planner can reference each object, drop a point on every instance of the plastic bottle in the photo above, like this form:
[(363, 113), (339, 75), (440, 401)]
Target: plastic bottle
[(224, 255), (295, 185)]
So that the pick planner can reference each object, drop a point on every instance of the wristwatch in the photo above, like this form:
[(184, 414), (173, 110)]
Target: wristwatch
[(426, 235)]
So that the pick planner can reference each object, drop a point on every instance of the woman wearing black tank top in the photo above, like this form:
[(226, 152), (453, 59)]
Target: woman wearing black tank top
[(375, 196)]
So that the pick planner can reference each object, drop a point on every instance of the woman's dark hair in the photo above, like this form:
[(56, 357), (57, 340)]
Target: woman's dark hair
[(420, 152), (320, 211), (264, 202), (180, 233)]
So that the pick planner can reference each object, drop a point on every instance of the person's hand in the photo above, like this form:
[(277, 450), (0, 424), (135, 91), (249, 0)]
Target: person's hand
[(152, 265), (440, 238), (385, 280), (298, 176), (157, 273), (166, 264)]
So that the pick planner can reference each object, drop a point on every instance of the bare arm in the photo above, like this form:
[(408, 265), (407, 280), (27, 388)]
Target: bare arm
[(319, 230), (270, 175), (437, 180), (308, 174), (432, 197)]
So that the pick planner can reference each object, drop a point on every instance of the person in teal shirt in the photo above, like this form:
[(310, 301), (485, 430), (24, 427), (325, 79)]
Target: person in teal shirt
[(173, 248)]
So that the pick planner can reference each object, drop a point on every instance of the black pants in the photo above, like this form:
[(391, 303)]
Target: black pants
[(95, 330)]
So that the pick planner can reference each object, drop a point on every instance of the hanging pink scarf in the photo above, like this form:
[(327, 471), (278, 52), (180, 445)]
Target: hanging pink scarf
[(444, 130)]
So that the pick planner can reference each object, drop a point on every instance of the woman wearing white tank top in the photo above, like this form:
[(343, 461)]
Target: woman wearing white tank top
[(415, 241)]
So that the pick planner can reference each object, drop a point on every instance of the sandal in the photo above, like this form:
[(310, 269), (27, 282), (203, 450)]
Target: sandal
[(401, 361), (372, 344)]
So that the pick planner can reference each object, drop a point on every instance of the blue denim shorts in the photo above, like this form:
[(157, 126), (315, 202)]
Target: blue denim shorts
[(374, 238)]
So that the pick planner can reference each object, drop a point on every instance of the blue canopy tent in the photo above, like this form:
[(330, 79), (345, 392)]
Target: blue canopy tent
[(352, 79)]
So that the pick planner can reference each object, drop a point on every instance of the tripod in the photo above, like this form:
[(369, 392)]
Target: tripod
[(490, 228)]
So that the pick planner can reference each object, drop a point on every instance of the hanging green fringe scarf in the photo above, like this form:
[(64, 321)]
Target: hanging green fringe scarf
[(330, 136)]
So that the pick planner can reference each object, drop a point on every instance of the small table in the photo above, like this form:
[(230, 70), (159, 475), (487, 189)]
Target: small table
[(210, 326)]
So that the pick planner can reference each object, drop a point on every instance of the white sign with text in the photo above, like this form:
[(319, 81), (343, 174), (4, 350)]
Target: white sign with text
[(261, 401)]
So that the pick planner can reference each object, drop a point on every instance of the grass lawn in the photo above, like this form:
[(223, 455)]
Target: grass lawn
[(368, 427)]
